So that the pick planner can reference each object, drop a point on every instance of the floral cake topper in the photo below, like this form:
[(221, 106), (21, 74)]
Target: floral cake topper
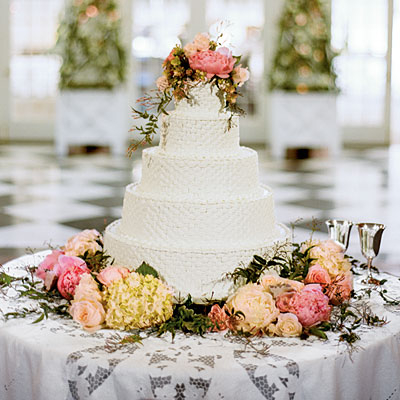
[(201, 61)]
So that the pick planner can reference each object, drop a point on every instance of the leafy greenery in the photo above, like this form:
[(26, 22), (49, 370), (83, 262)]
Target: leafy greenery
[(187, 318), (97, 261), (90, 45), (146, 269), (27, 286), (292, 264), (304, 58)]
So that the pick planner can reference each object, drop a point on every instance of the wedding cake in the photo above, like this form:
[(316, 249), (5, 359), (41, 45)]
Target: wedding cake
[(199, 210)]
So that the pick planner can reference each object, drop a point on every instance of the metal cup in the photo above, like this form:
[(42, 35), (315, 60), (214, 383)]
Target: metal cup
[(339, 231), (370, 241)]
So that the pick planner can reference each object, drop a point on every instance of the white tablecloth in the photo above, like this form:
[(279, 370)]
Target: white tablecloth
[(55, 359)]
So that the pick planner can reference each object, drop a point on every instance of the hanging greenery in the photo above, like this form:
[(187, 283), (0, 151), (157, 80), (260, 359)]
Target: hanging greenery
[(304, 58), (90, 45)]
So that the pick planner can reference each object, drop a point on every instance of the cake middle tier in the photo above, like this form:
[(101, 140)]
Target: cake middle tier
[(166, 222), (191, 177)]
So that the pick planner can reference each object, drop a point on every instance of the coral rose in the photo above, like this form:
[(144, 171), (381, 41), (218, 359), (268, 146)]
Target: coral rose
[(219, 318), (218, 62), (87, 289), (286, 301), (88, 240), (89, 313), (111, 274), (240, 75), (340, 289), (311, 306), (288, 325), (256, 304), (317, 274), (69, 280), (48, 264)]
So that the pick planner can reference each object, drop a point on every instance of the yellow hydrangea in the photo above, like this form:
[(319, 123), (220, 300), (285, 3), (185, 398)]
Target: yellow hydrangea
[(137, 301)]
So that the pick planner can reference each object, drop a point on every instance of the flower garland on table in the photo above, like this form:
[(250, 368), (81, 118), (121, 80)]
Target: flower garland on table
[(306, 292), (199, 62)]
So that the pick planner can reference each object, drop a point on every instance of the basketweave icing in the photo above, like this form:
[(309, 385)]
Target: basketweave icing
[(199, 210)]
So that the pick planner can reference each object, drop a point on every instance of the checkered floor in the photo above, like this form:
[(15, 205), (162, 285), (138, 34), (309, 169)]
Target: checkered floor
[(44, 200)]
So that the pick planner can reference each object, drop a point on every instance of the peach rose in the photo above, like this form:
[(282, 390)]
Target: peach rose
[(111, 274), (240, 75), (286, 301), (87, 289), (340, 289), (48, 264), (69, 279), (162, 83), (256, 304), (317, 274), (288, 325), (202, 41), (218, 62), (219, 318), (190, 49), (88, 240), (89, 313)]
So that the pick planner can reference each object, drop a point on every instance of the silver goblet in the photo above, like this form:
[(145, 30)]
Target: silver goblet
[(370, 241), (339, 231)]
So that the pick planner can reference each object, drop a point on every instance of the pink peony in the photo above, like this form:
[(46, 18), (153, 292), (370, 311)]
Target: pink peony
[(317, 274), (340, 289), (70, 278), (311, 306), (240, 75), (218, 62), (65, 262), (219, 318), (111, 274), (48, 264)]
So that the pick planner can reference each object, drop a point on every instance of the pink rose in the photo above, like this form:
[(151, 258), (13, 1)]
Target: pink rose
[(70, 278), (218, 62), (311, 306), (340, 289), (111, 274), (219, 318), (317, 274), (89, 313), (240, 75), (48, 264)]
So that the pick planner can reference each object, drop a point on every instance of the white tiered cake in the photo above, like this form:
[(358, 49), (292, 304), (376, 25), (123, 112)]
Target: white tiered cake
[(199, 210)]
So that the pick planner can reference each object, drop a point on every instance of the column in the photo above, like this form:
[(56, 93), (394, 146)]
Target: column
[(4, 70)]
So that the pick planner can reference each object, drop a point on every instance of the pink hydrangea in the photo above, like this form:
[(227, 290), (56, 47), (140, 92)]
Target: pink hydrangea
[(48, 264), (218, 62), (310, 305), (70, 276)]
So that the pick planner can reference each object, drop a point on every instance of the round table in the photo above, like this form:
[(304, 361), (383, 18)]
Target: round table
[(55, 359)]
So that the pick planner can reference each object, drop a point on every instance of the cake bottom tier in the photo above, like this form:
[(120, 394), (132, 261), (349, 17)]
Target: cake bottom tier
[(198, 272)]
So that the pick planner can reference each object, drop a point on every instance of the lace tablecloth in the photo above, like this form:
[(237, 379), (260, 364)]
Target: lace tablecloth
[(55, 359)]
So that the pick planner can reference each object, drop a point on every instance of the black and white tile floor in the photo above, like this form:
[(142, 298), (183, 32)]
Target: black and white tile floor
[(44, 200)]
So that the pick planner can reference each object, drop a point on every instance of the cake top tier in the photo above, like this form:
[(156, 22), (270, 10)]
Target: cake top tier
[(203, 102), (189, 73)]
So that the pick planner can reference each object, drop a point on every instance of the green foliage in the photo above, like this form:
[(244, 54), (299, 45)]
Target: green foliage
[(90, 46), (304, 59), (292, 264), (29, 287), (146, 269), (187, 318), (98, 261)]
